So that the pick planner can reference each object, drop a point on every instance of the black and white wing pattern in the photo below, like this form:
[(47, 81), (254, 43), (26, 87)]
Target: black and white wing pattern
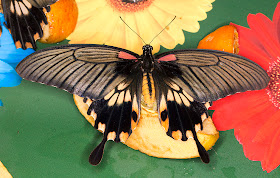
[(25, 20), (180, 115), (107, 75), (183, 84), (187, 81), (117, 114), (42, 3), (208, 75)]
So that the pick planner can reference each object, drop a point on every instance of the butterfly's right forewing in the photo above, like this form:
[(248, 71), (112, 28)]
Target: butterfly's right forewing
[(209, 75)]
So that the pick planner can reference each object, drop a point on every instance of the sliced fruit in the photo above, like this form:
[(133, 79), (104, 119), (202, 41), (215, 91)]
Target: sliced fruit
[(62, 20), (4, 173), (1, 9), (150, 138), (224, 38)]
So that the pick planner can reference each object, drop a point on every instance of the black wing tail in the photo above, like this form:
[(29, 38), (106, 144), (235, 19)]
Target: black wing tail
[(97, 154), (116, 115), (180, 114)]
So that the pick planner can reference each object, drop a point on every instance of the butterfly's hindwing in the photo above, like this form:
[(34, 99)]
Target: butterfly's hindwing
[(42, 3), (209, 75), (24, 21), (180, 115), (116, 115)]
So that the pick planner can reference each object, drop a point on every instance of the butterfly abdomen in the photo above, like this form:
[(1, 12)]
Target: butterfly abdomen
[(148, 89)]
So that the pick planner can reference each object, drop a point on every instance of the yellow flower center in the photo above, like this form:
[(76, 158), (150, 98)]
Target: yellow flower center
[(274, 84), (130, 5)]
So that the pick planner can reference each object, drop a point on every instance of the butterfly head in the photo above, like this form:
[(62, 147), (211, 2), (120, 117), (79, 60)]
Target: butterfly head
[(147, 59), (147, 48)]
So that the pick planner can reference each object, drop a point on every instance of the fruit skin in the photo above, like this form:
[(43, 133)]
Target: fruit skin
[(150, 138), (224, 38), (62, 20)]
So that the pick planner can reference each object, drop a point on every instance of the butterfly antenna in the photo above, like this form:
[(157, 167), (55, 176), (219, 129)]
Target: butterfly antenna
[(133, 30), (163, 29)]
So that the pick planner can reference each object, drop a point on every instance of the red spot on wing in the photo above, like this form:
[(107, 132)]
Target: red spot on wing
[(169, 57), (124, 55)]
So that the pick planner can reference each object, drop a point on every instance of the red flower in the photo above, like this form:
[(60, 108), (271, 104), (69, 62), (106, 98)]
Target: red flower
[(255, 115)]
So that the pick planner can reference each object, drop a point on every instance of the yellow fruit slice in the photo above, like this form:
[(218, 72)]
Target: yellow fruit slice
[(62, 20), (4, 173), (150, 138), (224, 38)]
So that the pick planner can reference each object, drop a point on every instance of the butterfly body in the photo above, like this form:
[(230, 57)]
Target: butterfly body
[(148, 90), (181, 84)]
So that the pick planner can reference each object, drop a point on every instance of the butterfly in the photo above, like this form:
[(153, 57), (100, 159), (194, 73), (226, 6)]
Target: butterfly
[(181, 83), (25, 20)]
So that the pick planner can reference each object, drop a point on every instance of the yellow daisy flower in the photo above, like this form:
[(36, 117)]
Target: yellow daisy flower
[(99, 22)]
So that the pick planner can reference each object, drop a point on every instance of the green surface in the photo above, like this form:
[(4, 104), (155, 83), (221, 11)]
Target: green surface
[(42, 134)]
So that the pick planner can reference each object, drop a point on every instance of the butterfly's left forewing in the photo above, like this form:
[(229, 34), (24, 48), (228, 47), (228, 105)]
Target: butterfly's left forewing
[(90, 71), (108, 77)]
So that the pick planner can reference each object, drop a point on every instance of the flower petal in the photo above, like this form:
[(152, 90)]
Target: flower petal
[(181, 8), (272, 156), (8, 76), (93, 25), (232, 110), (246, 132), (276, 20), (264, 30), (250, 47), (166, 38), (13, 56), (268, 129)]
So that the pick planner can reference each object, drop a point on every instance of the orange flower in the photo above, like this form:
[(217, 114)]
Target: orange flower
[(255, 115)]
